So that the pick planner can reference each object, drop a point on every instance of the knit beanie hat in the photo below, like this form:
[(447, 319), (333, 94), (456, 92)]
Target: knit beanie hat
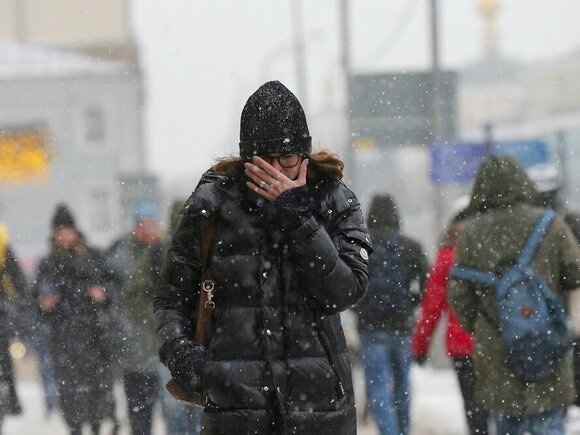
[(273, 122), (145, 210), (383, 213), (62, 217)]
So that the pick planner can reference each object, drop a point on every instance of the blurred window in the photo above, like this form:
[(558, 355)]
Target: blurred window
[(94, 125), (24, 154), (100, 210)]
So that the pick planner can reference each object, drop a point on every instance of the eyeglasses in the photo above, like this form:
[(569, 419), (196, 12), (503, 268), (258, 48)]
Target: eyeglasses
[(285, 160)]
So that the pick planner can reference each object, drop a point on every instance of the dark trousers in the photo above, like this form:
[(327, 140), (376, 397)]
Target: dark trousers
[(141, 389), (476, 415), (577, 369)]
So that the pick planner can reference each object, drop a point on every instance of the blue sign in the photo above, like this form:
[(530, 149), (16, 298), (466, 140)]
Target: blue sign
[(455, 161), (458, 162), (527, 152)]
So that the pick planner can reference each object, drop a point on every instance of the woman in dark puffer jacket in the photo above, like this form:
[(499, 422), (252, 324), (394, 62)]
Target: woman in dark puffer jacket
[(290, 254)]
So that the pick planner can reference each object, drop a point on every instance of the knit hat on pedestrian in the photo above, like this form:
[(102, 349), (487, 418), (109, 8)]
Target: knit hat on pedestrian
[(273, 122), (62, 217), (383, 213), (145, 210)]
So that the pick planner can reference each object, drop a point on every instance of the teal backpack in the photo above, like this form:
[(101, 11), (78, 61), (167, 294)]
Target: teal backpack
[(532, 320)]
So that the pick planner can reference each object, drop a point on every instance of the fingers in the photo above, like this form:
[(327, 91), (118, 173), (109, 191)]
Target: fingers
[(262, 171), (266, 167), (269, 182), (260, 186), (48, 302), (262, 191), (97, 293), (258, 176)]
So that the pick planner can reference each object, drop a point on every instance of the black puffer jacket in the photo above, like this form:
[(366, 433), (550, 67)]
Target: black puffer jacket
[(277, 362)]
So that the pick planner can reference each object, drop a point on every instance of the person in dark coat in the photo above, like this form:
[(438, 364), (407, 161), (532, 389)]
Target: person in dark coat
[(71, 286), (12, 291), (290, 254), (385, 315)]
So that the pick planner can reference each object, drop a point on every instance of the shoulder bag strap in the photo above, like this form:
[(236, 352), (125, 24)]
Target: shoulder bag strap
[(206, 304)]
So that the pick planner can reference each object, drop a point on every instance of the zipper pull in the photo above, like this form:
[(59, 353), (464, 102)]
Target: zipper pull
[(208, 287), (341, 389)]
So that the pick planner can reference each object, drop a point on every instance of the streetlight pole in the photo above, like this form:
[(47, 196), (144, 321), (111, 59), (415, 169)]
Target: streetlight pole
[(488, 138), (21, 21), (298, 45), (435, 130), (346, 71), (435, 74), (563, 160)]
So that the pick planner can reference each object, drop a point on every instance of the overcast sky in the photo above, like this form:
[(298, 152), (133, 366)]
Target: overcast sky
[(203, 58)]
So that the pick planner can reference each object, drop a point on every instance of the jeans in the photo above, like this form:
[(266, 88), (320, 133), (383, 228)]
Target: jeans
[(180, 419), (546, 423), (387, 362)]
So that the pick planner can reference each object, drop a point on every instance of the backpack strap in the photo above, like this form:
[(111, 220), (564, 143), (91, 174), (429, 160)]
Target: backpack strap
[(478, 277), (475, 276), (535, 238)]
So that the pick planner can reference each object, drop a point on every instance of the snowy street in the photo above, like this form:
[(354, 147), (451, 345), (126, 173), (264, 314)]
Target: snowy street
[(436, 407)]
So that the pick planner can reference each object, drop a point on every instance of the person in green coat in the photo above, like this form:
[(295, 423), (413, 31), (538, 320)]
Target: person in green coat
[(138, 258), (506, 206)]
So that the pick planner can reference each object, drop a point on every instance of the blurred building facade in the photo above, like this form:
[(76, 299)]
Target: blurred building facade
[(526, 101), (70, 86), (86, 114), (101, 29)]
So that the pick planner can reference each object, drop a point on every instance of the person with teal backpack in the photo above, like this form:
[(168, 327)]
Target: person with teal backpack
[(514, 263), (531, 318)]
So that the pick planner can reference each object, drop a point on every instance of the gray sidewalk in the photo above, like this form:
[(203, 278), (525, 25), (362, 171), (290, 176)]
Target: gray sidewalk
[(36, 421), (436, 407)]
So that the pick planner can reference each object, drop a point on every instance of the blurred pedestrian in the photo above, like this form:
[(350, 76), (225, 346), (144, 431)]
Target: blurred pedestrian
[(22, 324), (71, 284), (12, 291), (289, 254), (138, 257), (507, 211), (397, 275), (41, 343), (549, 183), (458, 341)]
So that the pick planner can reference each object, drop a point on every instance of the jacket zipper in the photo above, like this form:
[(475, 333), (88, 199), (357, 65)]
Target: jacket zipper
[(326, 347)]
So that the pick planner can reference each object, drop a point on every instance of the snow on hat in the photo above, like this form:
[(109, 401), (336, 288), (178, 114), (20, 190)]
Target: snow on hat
[(62, 217), (145, 210), (273, 122)]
